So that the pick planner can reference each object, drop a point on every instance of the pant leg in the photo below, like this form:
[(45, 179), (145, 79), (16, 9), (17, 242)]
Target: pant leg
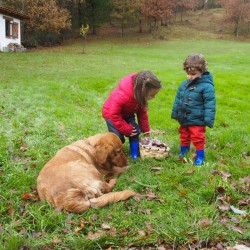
[(113, 129), (198, 136), (131, 120), (184, 136)]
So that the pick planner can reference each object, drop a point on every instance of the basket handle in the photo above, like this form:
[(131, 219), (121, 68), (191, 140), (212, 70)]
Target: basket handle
[(155, 132)]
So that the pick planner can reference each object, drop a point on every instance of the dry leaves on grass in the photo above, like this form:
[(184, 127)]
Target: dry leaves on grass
[(23, 146), (226, 207), (149, 196)]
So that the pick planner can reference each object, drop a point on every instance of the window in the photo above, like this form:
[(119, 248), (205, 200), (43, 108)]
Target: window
[(7, 28), (11, 28)]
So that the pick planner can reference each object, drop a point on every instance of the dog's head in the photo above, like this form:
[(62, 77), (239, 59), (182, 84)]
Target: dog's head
[(109, 151)]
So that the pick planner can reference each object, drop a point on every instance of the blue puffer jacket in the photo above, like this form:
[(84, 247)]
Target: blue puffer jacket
[(195, 102)]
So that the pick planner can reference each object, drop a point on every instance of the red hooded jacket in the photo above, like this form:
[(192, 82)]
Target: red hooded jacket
[(121, 104)]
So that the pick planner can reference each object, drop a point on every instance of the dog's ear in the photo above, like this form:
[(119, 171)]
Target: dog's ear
[(103, 149)]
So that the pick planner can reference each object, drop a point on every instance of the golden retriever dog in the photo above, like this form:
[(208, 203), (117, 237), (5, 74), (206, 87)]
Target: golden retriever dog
[(74, 179)]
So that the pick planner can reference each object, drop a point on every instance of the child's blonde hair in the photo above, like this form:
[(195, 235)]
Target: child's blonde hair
[(143, 82), (195, 62)]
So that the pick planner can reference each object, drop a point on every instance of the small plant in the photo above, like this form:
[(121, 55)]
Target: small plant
[(83, 32)]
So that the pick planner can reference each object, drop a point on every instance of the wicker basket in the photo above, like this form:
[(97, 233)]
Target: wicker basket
[(153, 152)]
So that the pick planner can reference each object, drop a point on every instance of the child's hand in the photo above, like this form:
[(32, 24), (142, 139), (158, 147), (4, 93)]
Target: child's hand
[(134, 132)]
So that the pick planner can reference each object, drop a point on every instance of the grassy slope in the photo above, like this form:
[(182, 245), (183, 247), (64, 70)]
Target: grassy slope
[(53, 97)]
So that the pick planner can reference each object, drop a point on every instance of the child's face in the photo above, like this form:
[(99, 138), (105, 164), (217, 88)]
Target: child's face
[(193, 74), (151, 94)]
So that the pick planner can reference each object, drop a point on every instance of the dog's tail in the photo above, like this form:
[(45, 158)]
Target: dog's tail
[(111, 198), (73, 201)]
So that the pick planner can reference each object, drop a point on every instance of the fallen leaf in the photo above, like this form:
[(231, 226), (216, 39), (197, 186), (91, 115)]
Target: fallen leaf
[(221, 190), (205, 222), (10, 210), (243, 202), (184, 160), (183, 192), (124, 232), (219, 246), (96, 235), (142, 233), (112, 232), (156, 168), (229, 199), (56, 241), (236, 229), (148, 225), (23, 147), (28, 196), (150, 195), (225, 175), (138, 197), (82, 225), (234, 219), (22, 231), (67, 231), (237, 211), (216, 172), (224, 207), (105, 226), (190, 171)]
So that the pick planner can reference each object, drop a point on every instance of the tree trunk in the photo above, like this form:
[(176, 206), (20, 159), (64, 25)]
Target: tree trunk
[(181, 13), (79, 10), (122, 31), (237, 26), (140, 26)]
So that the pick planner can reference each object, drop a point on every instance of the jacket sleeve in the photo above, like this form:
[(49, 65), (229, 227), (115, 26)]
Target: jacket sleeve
[(175, 106), (142, 116), (209, 106), (116, 116)]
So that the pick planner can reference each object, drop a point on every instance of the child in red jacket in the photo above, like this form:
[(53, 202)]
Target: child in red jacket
[(128, 102)]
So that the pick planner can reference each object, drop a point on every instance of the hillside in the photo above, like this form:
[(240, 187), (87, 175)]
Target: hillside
[(203, 24)]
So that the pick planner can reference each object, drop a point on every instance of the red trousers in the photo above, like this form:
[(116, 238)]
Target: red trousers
[(194, 134)]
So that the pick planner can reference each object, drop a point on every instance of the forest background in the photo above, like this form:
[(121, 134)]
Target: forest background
[(54, 21)]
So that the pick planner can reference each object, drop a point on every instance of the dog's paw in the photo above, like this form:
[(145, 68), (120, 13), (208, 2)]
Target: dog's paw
[(112, 182)]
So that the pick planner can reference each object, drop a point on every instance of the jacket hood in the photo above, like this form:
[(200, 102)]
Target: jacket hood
[(126, 85), (205, 78)]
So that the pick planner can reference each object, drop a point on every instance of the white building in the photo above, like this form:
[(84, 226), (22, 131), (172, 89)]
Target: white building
[(10, 27)]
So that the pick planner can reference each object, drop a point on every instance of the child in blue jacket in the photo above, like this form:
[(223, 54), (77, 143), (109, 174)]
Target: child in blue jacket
[(194, 106)]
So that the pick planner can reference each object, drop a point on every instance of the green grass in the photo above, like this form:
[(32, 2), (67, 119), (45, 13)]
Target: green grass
[(52, 97)]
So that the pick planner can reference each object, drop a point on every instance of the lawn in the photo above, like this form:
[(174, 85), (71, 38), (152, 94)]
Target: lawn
[(52, 97)]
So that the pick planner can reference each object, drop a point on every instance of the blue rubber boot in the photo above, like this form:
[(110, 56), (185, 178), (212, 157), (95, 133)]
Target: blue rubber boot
[(134, 149), (200, 157), (183, 151)]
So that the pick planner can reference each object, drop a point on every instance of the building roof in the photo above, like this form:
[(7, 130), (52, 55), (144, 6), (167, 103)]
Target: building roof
[(13, 13)]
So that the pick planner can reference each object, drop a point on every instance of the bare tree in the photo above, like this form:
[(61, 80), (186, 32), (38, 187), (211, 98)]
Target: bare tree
[(185, 5), (157, 11), (236, 12)]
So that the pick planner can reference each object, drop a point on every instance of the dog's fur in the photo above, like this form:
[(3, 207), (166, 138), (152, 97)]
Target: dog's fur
[(74, 178)]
